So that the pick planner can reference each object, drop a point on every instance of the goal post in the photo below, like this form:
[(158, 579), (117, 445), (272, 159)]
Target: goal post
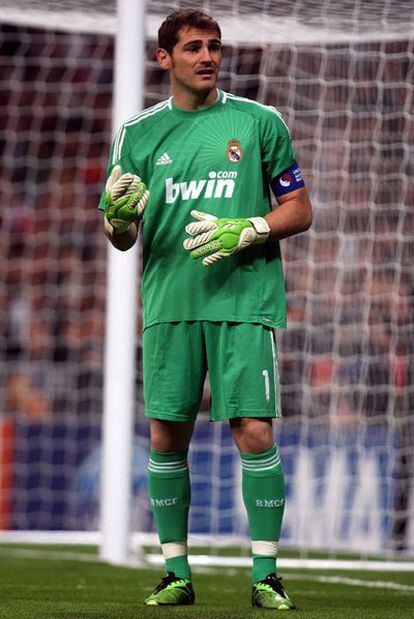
[(342, 78), (121, 311)]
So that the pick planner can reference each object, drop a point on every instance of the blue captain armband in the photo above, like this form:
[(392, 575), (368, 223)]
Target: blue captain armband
[(290, 180)]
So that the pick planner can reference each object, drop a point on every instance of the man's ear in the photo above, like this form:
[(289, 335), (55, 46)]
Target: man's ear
[(164, 58)]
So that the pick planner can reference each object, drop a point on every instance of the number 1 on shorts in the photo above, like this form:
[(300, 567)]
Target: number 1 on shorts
[(265, 373)]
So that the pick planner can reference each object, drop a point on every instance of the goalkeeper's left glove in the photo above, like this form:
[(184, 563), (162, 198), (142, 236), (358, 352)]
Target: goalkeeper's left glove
[(125, 200), (219, 238)]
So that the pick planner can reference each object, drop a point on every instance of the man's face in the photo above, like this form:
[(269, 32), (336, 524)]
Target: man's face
[(195, 60)]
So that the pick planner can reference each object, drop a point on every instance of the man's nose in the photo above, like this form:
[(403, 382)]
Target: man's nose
[(205, 54)]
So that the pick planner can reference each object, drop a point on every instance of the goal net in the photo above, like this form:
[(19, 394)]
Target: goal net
[(342, 75)]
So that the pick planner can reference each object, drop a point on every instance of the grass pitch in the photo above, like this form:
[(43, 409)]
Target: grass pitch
[(53, 582)]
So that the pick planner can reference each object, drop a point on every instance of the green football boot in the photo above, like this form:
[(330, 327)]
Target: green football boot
[(269, 593), (172, 591)]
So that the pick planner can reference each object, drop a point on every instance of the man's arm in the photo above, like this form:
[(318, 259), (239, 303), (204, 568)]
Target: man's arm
[(212, 238), (293, 215)]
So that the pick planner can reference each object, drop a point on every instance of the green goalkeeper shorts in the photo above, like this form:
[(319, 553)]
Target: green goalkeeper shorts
[(241, 359)]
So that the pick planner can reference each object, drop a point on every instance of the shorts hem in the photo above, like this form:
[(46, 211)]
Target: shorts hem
[(168, 416), (279, 323), (180, 418), (236, 415)]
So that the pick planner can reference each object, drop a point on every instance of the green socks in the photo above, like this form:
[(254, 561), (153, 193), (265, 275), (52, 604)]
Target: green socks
[(263, 495), (264, 498), (169, 493)]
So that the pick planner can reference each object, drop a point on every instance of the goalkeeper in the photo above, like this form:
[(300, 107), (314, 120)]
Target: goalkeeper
[(199, 169)]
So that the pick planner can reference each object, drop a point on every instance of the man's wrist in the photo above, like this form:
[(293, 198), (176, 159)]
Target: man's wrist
[(261, 227)]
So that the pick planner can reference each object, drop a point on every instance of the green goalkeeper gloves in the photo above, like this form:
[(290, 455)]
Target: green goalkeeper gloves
[(214, 239), (125, 200)]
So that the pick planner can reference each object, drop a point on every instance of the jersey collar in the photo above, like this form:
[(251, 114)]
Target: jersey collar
[(221, 99)]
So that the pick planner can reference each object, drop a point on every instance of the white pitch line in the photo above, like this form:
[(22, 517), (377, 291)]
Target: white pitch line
[(209, 563), (83, 557), (355, 582), (287, 563), (24, 553)]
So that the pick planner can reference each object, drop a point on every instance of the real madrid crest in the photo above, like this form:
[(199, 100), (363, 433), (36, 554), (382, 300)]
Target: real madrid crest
[(234, 152)]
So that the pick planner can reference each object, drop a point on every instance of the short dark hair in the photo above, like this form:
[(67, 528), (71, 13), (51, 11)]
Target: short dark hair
[(191, 18)]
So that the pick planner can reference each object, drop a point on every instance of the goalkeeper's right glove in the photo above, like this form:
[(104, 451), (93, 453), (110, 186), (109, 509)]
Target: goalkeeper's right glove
[(125, 200)]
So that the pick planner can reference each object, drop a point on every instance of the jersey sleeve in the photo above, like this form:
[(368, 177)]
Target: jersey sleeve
[(277, 150), (119, 155)]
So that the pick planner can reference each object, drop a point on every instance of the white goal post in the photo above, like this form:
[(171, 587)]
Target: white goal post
[(342, 75), (121, 311)]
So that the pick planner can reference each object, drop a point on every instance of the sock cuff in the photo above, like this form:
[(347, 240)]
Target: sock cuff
[(167, 456), (168, 462), (260, 456), (257, 463), (265, 548), (174, 549)]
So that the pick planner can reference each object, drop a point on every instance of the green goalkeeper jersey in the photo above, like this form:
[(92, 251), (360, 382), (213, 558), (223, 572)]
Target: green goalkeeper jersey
[(220, 160)]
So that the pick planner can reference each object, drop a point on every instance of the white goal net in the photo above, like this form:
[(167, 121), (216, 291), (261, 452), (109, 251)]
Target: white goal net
[(342, 75)]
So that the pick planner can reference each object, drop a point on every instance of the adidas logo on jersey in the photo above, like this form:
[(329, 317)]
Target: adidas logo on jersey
[(165, 159), (219, 185)]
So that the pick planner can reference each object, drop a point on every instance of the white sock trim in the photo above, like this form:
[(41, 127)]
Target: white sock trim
[(269, 549), (174, 549)]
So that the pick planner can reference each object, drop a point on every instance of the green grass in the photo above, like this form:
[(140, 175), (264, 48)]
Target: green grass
[(44, 586)]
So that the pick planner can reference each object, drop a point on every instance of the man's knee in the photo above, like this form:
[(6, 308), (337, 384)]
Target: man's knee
[(170, 435), (252, 435)]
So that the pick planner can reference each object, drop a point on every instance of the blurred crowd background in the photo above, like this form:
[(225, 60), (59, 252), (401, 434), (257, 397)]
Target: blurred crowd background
[(347, 356)]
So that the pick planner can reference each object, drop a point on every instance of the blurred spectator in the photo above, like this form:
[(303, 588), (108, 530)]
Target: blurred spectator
[(24, 398)]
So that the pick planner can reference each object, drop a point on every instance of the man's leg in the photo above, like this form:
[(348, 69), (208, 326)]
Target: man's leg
[(264, 498), (169, 491), (263, 490), (174, 372), (169, 494)]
